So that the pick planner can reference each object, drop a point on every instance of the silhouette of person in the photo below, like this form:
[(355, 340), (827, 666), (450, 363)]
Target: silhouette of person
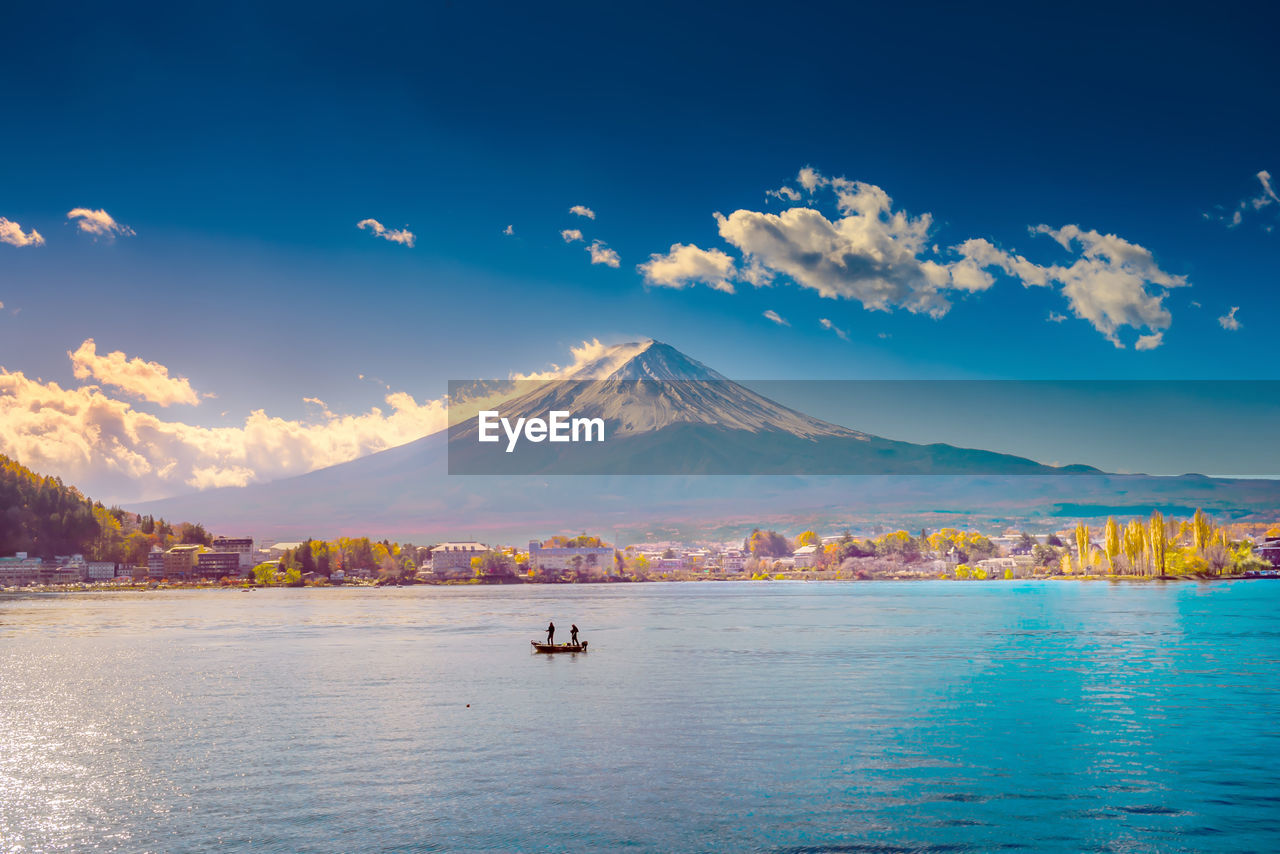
[(573, 635), (551, 632)]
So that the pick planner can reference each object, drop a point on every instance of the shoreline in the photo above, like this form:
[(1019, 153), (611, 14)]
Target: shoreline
[(83, 587)]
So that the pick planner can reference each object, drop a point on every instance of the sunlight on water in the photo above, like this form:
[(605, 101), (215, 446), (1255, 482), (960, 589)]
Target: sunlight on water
[(792, 717)]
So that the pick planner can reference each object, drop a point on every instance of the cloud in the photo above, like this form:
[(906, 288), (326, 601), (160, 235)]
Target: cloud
[(11, 233), (871, 254), (569, 235), (402, 236), (583, 210), (145, 380), (1265, 198), (116, 452), (827, 324), (509, 230), (685, 265), (884, 258), (1149, 342), (601, 254), (785, 193), (1109, 284), (1056, 317), (1228, 321), (776, 318), (99, 223)]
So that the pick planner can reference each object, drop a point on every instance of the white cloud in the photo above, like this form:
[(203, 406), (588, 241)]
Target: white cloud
[(99, 223), (602, 254), (871, 254), (785, 193), (402, 235), (776, 318), (569, 235), (884, 259), (1149, 342), (827, 324), (1108, 284), (116, 452), (1228, 321), (146, 380), (685, 265), (1265, 198), (583, 210), (509, 230), (12, 233), (1056, 317)]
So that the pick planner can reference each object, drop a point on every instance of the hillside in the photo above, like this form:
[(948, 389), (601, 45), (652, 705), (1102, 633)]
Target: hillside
[(44, 517)]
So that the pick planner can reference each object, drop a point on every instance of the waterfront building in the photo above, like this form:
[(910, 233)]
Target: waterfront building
[(596, 560), (453, 560), (241, 546)]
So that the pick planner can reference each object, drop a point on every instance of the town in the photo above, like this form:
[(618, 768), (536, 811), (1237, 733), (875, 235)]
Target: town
[(1151, 548)]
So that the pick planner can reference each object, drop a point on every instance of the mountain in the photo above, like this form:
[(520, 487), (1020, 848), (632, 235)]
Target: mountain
[(687, 450), (667, 414)]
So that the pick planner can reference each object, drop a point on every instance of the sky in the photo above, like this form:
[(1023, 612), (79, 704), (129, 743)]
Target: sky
[(242, 242)]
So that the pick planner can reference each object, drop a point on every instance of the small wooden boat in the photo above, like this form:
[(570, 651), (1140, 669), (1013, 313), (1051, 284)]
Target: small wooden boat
[(559, 647)]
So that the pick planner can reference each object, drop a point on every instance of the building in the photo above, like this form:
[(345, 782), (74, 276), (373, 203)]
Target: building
[(241, 546), (216, 565), (100, 570), (1000, 567), (587, 558), (734, 560), (453, 560), (155, 564), (180, 561), (1269, 549), (20, 569), (806, 557)]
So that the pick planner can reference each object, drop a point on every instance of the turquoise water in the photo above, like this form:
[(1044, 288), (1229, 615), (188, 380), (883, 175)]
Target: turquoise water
[(877, 717)]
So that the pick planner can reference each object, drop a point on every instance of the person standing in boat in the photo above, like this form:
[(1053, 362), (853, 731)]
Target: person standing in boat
[(551, 633), (573, 635)]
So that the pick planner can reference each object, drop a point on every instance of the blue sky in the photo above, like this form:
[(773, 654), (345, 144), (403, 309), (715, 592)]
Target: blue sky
[(242, 147)]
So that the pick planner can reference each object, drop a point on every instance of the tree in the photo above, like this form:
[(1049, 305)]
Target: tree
[(1158, 538), (1112, 542), (808, 538), (1134, 545), (1201, 531), (265, 574), (1082, 546)]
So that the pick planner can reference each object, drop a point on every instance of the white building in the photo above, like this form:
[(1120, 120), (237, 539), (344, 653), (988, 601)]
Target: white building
[(100, 570), (806, 556), (597, 559), (242, 546), (453, 560)]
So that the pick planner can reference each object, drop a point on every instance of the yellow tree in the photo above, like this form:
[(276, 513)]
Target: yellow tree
[(1082, 545), (808, 538), (1134, 545), (1159, 543), (1201, 531), (1112, 543)]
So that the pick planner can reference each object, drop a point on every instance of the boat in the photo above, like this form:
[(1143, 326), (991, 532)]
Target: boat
[(559, 647)]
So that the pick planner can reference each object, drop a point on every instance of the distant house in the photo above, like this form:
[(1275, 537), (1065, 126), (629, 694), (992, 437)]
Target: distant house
[(998, 567), (1269, 549), (241, 546), (588, 558), (806, 557), (453, 560), (214, 565)]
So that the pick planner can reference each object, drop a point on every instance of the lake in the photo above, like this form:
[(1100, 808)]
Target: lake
[(785, 716)]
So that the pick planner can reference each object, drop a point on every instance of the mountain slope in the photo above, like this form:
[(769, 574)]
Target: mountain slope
[(732, 456)]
